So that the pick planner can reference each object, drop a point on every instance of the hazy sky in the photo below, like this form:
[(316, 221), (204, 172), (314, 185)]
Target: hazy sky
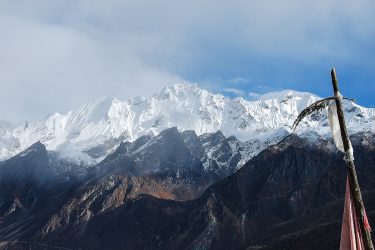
[(57, 55)]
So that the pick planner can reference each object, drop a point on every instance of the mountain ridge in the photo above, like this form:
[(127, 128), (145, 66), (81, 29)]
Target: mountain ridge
[(290, 196), (104, 123)]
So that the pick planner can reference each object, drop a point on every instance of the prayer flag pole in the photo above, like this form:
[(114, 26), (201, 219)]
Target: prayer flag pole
[(356, 231), (352, 174)]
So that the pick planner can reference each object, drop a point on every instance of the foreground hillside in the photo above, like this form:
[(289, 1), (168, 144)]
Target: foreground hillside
[(290, 196)]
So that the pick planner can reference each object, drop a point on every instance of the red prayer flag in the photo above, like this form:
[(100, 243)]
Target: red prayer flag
[(351, 237)]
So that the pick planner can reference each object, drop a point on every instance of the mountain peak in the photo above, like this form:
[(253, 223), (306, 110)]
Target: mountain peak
[(102, 124), (182, 91), (287, 93), (181, 87), (36, 148)]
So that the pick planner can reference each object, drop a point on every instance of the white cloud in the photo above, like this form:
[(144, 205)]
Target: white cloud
[(253, 95), (46, 68), (237, 92), (239, 80), (55, 55)]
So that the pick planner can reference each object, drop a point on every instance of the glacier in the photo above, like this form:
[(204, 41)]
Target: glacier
[(102, 124)]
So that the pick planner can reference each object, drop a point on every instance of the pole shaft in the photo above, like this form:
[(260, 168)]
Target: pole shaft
[(353, 180)]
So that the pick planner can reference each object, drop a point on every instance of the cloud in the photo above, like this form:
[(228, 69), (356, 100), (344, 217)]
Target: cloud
[(237, 92), (5, 125), (47, 67), (253, 95), (56, 55), (239, 80)]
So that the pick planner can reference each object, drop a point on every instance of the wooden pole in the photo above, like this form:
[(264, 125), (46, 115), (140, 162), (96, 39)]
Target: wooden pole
[(353, 180)]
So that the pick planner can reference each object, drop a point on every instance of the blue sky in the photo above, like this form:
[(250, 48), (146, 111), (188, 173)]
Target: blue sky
[(57, 55)]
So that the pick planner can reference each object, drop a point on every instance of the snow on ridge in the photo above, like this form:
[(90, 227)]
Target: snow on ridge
[(103, 122), (285, 93)]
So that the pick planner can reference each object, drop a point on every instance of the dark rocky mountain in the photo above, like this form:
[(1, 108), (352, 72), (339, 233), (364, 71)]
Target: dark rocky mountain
[(31, 164), (290, 196), (182, 164), (175, 153), (172, 165), (28, 183), (24, 177)]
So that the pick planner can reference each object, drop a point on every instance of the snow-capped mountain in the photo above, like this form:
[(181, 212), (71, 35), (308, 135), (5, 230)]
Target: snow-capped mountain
[(91, 132)]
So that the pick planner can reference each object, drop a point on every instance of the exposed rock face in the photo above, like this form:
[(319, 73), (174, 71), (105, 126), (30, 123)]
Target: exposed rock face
[(290, 196), (172, 166), (19, 177), (183, 163), (30, 164), (173, 152)]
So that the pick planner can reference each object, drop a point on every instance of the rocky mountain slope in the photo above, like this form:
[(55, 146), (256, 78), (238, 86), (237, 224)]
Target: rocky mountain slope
[(290, 196), (171, 165)]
